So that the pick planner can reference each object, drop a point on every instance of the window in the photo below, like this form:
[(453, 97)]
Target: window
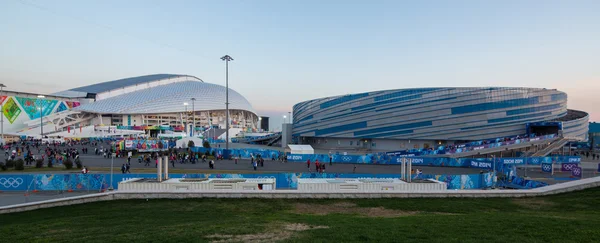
[(351, 143)]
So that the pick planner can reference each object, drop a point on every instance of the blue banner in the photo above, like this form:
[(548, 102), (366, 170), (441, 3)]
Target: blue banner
[(430, 161), (547, 167), (245, 153), (513, 161), (99, 182)]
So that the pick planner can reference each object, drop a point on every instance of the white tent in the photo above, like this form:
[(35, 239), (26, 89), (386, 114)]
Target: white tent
[(183, 143), (299, 149)]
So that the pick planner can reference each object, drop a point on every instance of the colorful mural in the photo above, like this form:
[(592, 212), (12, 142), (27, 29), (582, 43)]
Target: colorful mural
[(72, 104), (11, 110), (62, 107), (31, 106)]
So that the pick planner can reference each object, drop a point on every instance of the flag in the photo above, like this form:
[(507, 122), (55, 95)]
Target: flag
[(547, 167), (68, 129), (576, 172)]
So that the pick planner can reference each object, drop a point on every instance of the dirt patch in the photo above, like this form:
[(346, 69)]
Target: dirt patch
[(349, 208), (287, 231), (254, 238), (303, 227), (533, 203)]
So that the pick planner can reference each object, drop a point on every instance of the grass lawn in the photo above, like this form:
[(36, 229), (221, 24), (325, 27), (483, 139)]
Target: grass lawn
[(572, 217)]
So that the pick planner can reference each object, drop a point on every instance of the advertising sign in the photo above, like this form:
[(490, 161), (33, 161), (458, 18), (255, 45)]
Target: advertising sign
[(568, 166), (576, 172)]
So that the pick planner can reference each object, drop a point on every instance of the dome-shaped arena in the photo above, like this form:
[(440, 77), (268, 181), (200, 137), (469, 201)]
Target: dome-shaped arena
[(164, 100)]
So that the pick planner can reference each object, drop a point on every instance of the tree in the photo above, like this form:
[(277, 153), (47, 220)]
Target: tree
[(191, 144), (206, 144), (19, 165), (39, 163), (68, 164)]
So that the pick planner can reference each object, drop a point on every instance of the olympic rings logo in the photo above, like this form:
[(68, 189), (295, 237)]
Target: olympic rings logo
[(546, 167), (346, 158), (569, 166), (11, 182), (576, 171)]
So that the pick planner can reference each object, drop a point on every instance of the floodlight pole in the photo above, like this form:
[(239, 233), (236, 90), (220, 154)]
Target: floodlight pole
[(41, 97), (187, 118), (227, 59), (193, 117)]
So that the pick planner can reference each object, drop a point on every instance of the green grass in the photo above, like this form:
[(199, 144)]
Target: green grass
[(572, 217)]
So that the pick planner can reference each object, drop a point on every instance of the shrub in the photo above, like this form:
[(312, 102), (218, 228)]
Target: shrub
[(191, 144), (10, 163), (205, 144), (3, 166), (50, 165), (39, 163), (68, 164), (19, 165), (214, 153), (78, 163), (206, 153)]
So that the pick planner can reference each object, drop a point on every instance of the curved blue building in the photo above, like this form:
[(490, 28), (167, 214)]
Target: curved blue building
[(423, 117)]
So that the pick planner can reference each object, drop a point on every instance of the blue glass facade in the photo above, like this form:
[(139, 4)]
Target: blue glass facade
[(434, 114)]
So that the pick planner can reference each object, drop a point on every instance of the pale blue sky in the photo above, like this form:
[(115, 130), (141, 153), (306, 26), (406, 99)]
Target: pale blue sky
[(289, 51)]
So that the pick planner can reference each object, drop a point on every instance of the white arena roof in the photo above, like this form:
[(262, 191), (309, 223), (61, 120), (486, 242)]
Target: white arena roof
[(162, 96)]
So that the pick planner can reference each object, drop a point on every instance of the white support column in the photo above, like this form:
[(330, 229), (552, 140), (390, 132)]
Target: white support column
[(403, 175), (166, 162), (159, 169), (409, 170)]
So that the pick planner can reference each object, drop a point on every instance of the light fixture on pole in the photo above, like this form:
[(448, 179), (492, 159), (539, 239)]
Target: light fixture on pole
[(41, 115), (2, 86), (193, 117), (186, 118), (284, 117), (227, 59), (259, 123)]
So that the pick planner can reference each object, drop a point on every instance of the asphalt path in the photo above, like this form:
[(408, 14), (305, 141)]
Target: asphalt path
[(275, 166)]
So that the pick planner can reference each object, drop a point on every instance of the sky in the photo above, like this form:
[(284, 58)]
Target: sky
[(286, 52)]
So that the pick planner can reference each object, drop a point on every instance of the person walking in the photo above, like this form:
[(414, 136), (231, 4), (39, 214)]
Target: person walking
[(127, 167), (254, 164), (129, 160), (308, 164), (123, 169), (330, 160)]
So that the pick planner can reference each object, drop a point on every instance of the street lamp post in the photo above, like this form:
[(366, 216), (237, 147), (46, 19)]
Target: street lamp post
[(186, 118), (193, 117), (284, 117), (2, 86), (227, 59), (41, 115), (259, 123), (290, 116)]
